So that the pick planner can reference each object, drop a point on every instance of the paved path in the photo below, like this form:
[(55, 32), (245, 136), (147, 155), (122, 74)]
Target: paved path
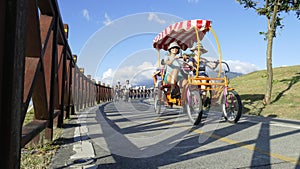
[(130, 135)]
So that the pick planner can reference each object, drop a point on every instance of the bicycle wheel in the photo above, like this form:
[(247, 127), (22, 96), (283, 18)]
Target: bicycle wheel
[(193, 105), (232, 107), (159, 100)]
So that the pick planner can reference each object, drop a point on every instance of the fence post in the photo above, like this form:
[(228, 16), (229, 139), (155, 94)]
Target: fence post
[(13, 15)]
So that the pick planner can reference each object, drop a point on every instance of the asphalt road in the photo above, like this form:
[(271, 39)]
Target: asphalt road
[(130, 135)]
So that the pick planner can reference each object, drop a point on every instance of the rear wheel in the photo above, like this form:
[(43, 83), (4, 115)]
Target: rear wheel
[(193, 105), (232, 107)]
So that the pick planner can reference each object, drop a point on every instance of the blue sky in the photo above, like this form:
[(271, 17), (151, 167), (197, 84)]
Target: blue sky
[(102, 34)]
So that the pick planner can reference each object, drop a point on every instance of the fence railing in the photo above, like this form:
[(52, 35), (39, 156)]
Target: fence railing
[(38, 67)]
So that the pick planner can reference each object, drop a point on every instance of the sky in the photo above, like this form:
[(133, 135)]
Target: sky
[(113, 38)]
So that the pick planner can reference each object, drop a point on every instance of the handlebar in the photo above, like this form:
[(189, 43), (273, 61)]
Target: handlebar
[(228, 69)]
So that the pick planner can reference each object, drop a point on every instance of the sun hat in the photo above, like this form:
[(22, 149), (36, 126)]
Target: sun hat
[(174, 45), (157, 71), (195, 47)]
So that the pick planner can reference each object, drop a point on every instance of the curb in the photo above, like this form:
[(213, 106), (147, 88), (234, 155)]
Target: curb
[(77, 150)]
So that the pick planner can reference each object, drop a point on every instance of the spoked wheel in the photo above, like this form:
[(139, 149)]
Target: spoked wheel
[(159, 100), (232, 107), (193, 105)]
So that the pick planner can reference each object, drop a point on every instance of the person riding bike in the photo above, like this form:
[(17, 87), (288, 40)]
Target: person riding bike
[(127, 89), (202, 68), (174, 75), (118, 90)]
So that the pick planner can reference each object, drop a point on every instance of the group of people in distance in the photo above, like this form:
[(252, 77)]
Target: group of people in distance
[(121, 91), (174, 76), (127, 92)]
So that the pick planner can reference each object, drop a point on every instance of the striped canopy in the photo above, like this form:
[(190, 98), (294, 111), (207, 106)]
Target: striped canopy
[(183, 33)]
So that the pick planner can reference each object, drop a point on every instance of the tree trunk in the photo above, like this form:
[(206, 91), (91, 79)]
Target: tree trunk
[(267, 99), (271, 34)]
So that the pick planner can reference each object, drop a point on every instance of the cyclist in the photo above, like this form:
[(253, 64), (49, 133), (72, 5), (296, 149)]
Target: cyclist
[(127, 89), (202, 68), (118, 88), (174, 75)]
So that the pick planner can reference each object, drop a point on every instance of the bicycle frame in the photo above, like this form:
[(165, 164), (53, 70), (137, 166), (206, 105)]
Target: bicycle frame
[(186, 33), (198, 80)]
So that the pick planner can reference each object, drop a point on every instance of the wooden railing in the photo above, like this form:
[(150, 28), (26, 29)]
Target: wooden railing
[(38, 67)]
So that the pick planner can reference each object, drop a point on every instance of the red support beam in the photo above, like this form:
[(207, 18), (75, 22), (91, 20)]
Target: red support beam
[(12, 57)]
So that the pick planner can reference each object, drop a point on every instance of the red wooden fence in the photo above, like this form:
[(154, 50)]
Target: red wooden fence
[(38, 66)]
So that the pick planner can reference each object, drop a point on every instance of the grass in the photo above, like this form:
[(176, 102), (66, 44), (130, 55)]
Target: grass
[(29, 117), (39, 156), (285, 100)]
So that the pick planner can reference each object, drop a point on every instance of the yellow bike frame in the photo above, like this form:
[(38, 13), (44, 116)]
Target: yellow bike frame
[(211, 83)]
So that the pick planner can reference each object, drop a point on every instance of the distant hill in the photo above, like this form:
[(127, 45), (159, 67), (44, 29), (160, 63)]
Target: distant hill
[(149, 82), (232, 75), (145, 82), (285, 93)]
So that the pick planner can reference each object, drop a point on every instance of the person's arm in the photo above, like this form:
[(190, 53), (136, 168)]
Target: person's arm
[(169, 60), (212, 64)]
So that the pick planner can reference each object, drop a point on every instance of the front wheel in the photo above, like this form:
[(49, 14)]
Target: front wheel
[(232, 106), (193, 105)]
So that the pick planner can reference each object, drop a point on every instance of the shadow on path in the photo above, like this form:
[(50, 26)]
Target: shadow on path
[(188, 148)]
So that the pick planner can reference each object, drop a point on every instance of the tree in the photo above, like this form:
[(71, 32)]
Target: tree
[(272, 10)]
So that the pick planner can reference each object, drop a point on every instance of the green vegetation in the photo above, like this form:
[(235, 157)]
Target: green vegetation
[(273, 11), (285, 100), (29, 117), (40, 155)]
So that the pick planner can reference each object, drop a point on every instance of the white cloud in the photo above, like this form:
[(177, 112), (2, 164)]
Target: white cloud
[(154, 17), (241, 67), (145, 65), (145, 70), (133, 73), (107, 19), (85, 14), (106, 77), (107, 74)]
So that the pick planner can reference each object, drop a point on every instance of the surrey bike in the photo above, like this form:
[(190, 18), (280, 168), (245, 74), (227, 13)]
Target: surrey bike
[(186, 33)]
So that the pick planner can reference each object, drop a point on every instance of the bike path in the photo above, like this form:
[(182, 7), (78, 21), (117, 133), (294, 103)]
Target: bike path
[(255, 142)]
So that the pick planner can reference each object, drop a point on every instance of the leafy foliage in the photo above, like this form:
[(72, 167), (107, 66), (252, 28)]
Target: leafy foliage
[(273, 10), (267, 8)]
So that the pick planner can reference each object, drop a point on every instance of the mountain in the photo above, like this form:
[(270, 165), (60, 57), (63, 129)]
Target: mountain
[(149, 82), (232, 75), (145, 82)]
